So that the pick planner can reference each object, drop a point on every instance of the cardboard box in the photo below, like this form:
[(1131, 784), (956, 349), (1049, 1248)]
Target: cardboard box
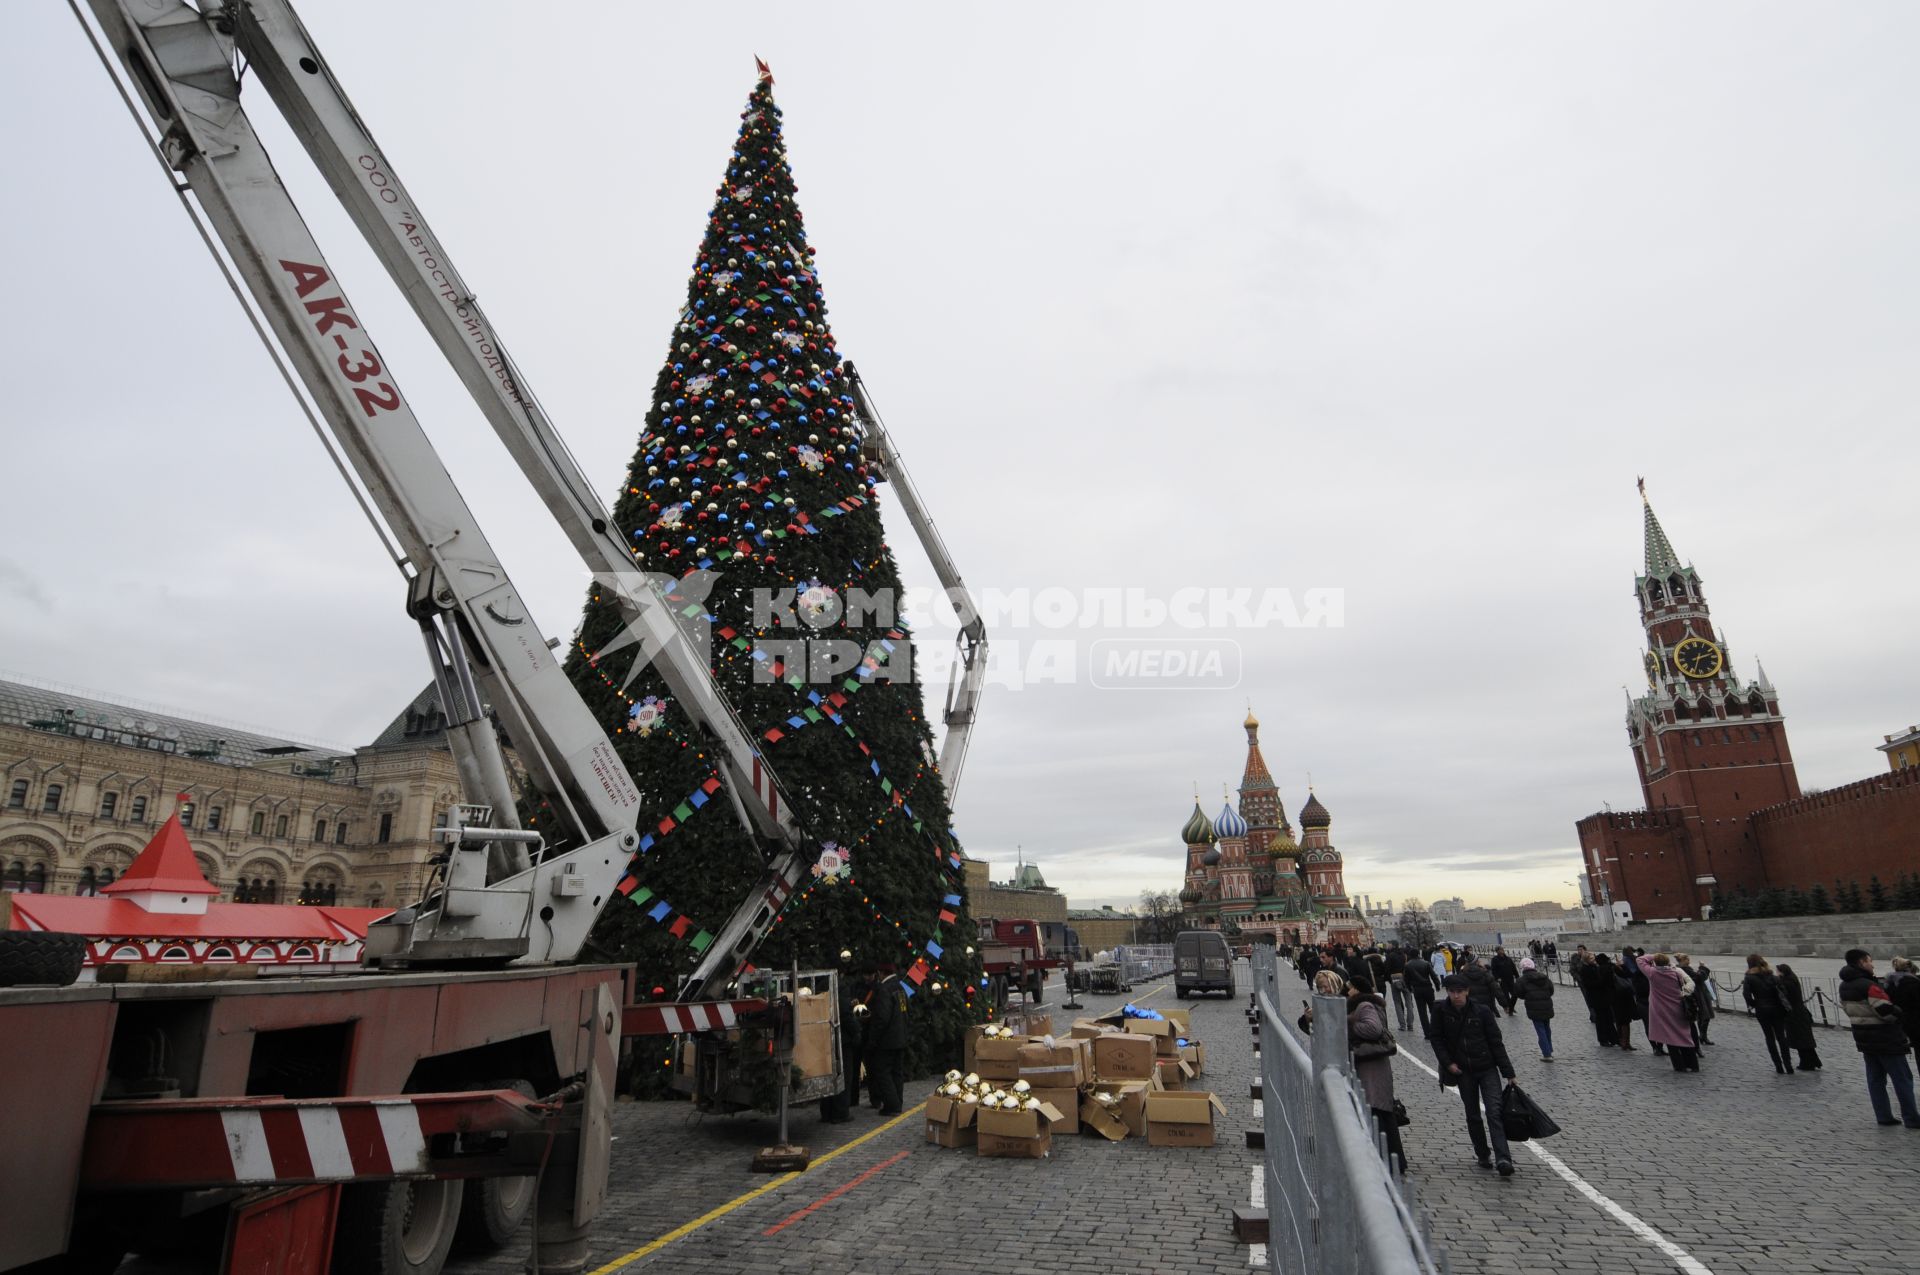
[(1056, 1066), (1031, 1022), (972, 1038), (1087, 1029), (1123, 1056), (1096, 1117), (950, 1122), (998, 1049), (1017, 1135), (813, 1048), (1131, 1105), (1067, 1102), (1182, 1019), (1171, 1073), (1152, 1027), (997, 1058), (1182, 1119), (1195, 1056)]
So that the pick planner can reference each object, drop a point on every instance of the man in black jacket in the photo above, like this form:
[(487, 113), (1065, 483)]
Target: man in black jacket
[(1507, 976), (1480, 987), (1421, 985), (1467, 1045), (1879, 1037), (887, 1042), (1596, 988), (1396, 962)]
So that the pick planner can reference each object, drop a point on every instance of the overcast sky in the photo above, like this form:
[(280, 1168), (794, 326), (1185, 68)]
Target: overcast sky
[(1392, 299)]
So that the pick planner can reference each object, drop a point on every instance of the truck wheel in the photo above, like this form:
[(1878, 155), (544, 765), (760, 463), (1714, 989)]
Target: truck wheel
[(397, 1228), (495, 1208), (1181, 992), (35, 956)]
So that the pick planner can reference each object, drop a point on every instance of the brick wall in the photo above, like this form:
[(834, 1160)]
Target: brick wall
[(1643, 856), (1864, 829)]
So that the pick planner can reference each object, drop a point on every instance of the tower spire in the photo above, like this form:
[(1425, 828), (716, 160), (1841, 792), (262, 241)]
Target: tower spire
[(1661, 558)]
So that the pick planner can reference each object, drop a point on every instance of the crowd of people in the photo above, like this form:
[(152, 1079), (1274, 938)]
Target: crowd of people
[(1457, 1001)]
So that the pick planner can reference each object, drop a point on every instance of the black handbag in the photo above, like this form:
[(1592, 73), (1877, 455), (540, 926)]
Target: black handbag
[(1522, 1119), (1400, 1116), (1385, 1047)]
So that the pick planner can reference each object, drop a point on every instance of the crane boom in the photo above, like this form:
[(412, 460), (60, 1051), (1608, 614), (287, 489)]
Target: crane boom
[(963, 692), (181, 62)]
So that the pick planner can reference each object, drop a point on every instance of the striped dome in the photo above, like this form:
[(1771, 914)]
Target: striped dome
[(1196, 831), (1229, 823)]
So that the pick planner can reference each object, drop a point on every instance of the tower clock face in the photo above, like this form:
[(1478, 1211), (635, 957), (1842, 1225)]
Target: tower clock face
[(1653, 668), (1697, 658)]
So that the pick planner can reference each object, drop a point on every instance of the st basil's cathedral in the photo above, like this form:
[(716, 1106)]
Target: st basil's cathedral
[(1247, 875)]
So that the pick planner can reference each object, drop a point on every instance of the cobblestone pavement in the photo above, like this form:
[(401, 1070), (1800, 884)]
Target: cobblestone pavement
[(1746, 1170), (905, 1205)]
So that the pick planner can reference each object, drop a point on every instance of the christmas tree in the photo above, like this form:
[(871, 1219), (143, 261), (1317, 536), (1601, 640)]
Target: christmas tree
[(750, 488)]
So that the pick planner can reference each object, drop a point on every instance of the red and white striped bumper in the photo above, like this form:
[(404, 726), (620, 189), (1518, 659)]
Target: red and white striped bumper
[(673, 1018), (210, 1142)]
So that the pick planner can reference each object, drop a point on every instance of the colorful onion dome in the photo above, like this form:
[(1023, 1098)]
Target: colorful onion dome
[(1211, 857), (1197, 831), (1314, 815), (1191, 895), (1229, 823), (1283, 846)]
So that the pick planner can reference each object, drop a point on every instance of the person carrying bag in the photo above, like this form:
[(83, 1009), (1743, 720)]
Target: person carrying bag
[(1522, 1118)]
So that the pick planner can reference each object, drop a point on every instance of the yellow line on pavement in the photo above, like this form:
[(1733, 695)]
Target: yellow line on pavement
[(681, 1232)]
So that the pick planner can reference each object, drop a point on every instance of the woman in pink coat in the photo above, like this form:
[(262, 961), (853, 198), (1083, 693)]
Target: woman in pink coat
[(1667, 988)]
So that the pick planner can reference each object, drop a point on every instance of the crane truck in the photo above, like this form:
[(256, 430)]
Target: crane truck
[(464, 1081)]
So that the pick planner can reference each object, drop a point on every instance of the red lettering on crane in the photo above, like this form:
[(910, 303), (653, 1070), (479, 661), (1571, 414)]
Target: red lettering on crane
[(306, 278), (332, 311)]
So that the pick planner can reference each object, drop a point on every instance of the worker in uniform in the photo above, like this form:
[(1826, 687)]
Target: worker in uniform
[(887, 1042)]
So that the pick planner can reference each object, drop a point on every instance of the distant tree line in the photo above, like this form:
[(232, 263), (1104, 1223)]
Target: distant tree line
[(1817, 900)]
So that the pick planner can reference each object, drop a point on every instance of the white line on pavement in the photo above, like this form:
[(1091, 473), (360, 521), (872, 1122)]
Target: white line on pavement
[(1679, 1256), (1257, 1253)]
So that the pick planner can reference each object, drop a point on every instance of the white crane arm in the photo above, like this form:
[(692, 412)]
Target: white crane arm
[(283, 55), (181, 63), (963, 693)]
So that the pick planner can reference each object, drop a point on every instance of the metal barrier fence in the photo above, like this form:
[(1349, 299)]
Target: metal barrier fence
[(1822, 996), (1140, 962), (1333, 1205)]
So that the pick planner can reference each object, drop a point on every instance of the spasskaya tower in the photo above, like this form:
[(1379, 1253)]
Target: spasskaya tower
[(1710, 748)]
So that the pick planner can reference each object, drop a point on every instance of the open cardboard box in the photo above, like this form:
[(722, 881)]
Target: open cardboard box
[(1181, 1119), (1195, 1055), (1017, 1135), (1031, 1022), (1171, 1073), (950, 1122), (1129, 1112), (1067, 1102)]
